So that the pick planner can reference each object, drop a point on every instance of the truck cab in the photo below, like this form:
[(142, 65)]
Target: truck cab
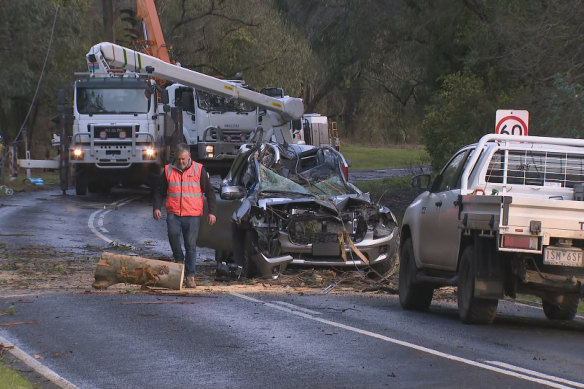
[(115, 132), (214, 126)]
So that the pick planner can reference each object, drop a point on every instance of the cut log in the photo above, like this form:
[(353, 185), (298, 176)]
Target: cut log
[(116, 268)]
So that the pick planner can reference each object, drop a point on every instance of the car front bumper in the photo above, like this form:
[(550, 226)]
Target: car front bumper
[(375, 250)]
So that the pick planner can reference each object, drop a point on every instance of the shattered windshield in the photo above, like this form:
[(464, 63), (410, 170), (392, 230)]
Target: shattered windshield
[(211, 102), (315, 175)]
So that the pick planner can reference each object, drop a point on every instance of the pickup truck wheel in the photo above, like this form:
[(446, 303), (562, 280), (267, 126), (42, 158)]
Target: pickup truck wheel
[(472, 310), (412, 295), (561, 307)]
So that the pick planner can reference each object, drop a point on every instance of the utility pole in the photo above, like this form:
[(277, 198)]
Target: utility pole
[(108, 20)]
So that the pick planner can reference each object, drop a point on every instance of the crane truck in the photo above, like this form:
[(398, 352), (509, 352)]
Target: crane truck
[(120, 128), (216, 126)]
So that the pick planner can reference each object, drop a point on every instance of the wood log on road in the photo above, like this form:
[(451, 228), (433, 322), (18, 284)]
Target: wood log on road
[(116, 268)]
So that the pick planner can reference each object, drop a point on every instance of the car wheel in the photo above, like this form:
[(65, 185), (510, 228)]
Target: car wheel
[(561, 306), (412, 294), (472, 310), (250, 268)]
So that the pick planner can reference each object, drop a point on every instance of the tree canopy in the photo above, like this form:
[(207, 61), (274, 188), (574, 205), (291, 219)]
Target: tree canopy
[(393, 71)]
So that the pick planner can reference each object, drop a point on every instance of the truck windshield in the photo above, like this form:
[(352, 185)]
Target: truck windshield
[(112, 101), (210, 102)]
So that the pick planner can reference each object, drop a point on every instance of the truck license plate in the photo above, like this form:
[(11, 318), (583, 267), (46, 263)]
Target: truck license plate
[(562, 257)]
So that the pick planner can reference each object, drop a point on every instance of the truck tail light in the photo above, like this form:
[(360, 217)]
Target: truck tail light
[(520, 242)]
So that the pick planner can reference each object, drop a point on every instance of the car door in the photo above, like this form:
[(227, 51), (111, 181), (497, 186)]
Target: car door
[(439, 232)]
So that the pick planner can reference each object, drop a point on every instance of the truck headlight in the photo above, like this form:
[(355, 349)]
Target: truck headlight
[(210, 151), (149, 153), (77, 153)]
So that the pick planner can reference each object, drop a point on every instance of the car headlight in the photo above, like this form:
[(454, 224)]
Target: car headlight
[(381, 230)]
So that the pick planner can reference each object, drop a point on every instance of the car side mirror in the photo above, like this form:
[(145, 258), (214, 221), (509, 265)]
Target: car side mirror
[(421, 181), (232, 192)]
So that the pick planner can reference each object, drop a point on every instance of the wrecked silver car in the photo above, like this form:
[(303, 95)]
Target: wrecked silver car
[(291, 204)]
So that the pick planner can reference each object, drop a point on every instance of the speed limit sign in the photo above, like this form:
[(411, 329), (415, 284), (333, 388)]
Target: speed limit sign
[(512, 122)]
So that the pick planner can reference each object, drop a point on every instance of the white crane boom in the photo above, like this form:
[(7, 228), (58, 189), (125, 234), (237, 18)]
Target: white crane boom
[(289, 108)]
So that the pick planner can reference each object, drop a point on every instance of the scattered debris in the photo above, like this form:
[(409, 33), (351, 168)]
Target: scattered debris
[(4, 348)]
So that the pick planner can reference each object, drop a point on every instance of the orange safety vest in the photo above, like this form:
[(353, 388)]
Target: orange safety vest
[(184, 196)]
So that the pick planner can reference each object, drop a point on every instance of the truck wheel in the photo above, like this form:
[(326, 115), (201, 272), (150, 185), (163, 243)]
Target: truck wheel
[(472, 310), (561, 306), (412, 295), (80, 186)]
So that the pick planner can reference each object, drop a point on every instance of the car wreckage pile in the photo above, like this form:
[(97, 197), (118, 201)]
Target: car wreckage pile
[(289, 204)]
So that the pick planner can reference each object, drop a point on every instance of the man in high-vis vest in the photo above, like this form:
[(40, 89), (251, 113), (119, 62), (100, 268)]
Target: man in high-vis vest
[(183, 183)]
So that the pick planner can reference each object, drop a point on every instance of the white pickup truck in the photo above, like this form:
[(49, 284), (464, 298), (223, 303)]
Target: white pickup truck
[(504, 216)]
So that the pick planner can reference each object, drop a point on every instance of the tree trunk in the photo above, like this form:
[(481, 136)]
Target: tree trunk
[(116, 268)]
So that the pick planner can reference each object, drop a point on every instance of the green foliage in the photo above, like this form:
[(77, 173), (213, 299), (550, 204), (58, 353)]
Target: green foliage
[(227, 37), (457, 116), (385, 71)]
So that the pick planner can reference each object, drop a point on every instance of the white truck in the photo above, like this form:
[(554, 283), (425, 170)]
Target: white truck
[(214, 126), (117, 137), (504, 216)]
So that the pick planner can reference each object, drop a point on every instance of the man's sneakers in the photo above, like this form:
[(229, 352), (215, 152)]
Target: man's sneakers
[(190, 281)]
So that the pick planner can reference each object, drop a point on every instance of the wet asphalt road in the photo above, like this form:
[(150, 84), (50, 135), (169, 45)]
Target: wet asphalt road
[(288, 341), (232, 340)]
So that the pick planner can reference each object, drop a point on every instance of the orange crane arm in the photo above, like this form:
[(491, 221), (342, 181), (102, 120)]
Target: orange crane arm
[(156, 47)]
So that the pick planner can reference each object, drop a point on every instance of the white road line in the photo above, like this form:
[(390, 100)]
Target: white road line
[(94, 230), (410, 345), (37, 366), (100, 214), (297, 308), (536, 374)]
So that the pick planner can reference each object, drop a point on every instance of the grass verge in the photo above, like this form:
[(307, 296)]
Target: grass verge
[(363, 157), (536, 302), (11, 379), (22, 184)]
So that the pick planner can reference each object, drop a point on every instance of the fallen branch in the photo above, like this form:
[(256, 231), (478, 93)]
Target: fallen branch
[(116, 268), (157, 302), (15, 323)]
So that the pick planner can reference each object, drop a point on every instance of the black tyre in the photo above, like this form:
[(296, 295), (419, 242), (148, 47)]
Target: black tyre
[(561, 306), (412, 295), (472, 310), (250, 268), (80, 186)]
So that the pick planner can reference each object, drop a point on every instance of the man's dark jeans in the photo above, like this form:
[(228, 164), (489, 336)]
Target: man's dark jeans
[(188, 227)]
